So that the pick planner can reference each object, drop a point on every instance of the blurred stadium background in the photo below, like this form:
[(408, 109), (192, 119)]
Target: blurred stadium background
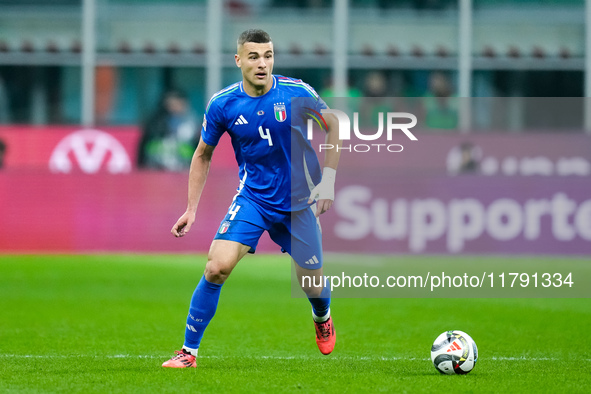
[(499, 86), (517, 48)]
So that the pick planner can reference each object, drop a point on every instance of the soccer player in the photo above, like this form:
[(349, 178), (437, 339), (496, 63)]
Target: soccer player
[(280, 179)]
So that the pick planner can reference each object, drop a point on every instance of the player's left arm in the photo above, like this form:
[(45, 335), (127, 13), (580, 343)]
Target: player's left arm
[(323, 193)]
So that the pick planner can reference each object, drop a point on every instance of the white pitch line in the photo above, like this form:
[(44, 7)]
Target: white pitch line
[(524, 359), (334, 357), (109, 356)]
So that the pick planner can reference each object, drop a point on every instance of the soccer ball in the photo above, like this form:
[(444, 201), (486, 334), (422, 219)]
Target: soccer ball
[(454, 352)]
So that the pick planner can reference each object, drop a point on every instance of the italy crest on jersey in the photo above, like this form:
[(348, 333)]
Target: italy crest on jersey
[(280, 112), (224, 227)]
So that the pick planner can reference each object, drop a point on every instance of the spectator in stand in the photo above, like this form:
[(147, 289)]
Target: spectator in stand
[(375, 99), (170, 135), (440, 104)]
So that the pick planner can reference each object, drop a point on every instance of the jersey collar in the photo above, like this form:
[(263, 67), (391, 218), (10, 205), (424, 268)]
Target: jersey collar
[(272, 87)]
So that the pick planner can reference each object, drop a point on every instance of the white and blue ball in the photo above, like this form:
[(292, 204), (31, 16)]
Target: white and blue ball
[(454, 353)]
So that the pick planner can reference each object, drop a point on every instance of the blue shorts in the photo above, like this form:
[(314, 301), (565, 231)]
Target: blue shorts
[(298, 233)]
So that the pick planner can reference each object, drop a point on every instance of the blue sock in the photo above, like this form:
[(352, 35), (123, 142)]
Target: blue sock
[(203, 306), (321, 305)]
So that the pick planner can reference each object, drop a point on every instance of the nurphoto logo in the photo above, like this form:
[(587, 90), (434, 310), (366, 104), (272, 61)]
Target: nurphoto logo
[(393, 123)]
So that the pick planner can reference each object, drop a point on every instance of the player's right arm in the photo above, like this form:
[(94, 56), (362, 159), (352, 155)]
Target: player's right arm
[(197, 176), (212, 130)]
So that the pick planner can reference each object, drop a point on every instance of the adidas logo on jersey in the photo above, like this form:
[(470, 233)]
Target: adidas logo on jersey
[(241, 120)]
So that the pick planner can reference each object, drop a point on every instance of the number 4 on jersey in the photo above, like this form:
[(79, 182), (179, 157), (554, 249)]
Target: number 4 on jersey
[(266, 135), (233, 211)]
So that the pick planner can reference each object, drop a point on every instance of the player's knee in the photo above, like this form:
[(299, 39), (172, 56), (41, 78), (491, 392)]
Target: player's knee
[(311, 290), (217, 271)]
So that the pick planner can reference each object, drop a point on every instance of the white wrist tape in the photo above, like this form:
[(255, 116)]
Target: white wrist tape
[(325, 189), (329, 175)]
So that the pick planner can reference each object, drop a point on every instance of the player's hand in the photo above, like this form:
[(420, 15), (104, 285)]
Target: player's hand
[(322, 206), (183, 225), (323, 193)]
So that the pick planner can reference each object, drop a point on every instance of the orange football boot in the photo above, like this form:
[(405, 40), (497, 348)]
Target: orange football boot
[(325, 336), (181, 360)]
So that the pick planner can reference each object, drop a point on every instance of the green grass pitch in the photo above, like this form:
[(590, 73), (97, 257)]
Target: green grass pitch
[(105, 323)]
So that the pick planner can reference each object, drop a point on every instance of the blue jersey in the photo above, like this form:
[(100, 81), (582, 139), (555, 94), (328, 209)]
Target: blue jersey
[(277, 165)]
